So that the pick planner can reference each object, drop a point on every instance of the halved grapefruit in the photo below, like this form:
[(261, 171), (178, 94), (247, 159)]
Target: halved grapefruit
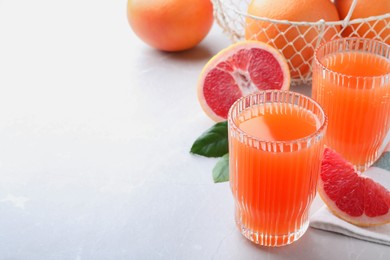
[(350, 196), (241, 69)]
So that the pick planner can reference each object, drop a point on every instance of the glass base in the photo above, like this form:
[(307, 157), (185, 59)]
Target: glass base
[(272, 240), (362, 168)]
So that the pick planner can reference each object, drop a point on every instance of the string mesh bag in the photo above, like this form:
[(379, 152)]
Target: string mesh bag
[(296, 40)]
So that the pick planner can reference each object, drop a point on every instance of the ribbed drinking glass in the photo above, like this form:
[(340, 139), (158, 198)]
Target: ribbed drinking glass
[(275, 152), (351, 81)]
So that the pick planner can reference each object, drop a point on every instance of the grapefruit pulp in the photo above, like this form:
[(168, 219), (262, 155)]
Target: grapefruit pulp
[(355, 198), (239, 70)]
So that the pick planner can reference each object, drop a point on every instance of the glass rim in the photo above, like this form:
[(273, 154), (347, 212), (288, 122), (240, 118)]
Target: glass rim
[(317, 132), (350, 39)]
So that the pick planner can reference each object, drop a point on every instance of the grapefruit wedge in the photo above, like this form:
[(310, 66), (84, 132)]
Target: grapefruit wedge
[(355, 198), (241, 69)]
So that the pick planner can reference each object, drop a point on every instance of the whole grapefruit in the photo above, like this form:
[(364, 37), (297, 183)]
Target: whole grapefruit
[(363, 9), (295, 42), (170, 25)]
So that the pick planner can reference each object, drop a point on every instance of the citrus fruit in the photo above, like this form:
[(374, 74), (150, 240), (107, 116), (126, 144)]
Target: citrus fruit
[(170, 25), (240, 69), (363, 9), (350, 196), (295, 42)]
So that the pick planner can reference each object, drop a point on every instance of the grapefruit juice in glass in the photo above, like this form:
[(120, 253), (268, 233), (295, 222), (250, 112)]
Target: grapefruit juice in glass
[(275, 151), (351, 81)]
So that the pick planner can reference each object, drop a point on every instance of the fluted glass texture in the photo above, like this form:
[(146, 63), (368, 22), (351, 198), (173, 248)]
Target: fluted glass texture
[(274, 181), (351, 81)]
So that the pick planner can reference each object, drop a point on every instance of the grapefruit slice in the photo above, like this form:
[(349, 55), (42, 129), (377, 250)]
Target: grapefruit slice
[(355, 198), (241, 69)]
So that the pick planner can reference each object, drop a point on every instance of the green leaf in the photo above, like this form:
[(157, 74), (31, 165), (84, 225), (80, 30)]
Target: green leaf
[(213, 142), (221, 169)]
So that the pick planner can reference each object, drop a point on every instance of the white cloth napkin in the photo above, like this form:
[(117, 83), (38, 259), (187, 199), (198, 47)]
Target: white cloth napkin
[(325, 220)]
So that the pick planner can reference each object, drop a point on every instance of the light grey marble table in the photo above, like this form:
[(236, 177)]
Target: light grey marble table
[(95, 129)]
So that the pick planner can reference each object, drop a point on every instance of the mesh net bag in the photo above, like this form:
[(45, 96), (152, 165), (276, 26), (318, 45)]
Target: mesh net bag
[(295, 40)]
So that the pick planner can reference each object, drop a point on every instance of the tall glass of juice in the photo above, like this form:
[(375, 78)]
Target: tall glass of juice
[(275, 152), (351, 81)]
